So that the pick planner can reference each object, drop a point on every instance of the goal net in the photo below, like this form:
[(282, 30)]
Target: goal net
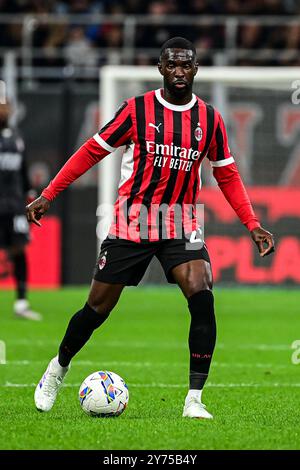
[(261, 110)]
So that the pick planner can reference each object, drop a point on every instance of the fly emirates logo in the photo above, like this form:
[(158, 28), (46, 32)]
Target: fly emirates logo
[(181, 157)]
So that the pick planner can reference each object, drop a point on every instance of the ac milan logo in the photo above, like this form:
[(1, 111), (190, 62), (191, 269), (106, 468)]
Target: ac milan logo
[(102, 261), (198, 133)]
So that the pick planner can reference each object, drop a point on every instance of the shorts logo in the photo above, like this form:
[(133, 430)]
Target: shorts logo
[(198, 133), (102, 261)]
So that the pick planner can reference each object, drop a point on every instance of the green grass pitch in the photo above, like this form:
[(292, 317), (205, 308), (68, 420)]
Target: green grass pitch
[(253, 389)]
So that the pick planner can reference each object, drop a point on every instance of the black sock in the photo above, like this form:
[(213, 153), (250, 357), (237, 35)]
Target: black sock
[(80, 329), (20, 273), (202, 337)]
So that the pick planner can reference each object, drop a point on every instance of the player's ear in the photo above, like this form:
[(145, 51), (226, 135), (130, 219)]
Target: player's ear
[(159, 66)]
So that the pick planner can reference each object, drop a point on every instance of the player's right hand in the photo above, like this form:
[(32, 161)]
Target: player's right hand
[(36, 209)]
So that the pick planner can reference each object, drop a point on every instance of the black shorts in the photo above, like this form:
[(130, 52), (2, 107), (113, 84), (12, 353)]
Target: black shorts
[(14, 230), (125, 262)]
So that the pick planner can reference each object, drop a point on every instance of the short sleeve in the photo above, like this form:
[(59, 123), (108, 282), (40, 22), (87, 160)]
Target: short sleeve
[(219, 152), (116, 132)]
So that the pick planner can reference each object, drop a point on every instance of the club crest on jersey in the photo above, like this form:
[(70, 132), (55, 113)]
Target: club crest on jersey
[(102, 261), (198, 133)]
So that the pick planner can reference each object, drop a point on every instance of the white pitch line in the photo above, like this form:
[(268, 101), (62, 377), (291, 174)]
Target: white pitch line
[(161, 385), (155, 364), (88, 363), (163, 345)]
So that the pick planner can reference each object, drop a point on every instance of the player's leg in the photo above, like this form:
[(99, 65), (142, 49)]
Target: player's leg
[(120, 263), (101, 300), (18, 258), (18, 237), (188, 264), (195, 280)]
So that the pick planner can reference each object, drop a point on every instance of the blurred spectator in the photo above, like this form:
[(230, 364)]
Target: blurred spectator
[(233, 7), (115, 8), (55, 43), (41, 6), (154, 35), (208, 38), (275, 37), (12, 35), (158, 8), (172, 6), (9, 6), (112, 36), (83, 6), (137, 7), (250, 36), (143, 59), (293, 37), (78, 50), (274, 7), (202, 7)]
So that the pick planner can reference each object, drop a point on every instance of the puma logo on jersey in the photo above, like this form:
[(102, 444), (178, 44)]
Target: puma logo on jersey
[(156, 127)]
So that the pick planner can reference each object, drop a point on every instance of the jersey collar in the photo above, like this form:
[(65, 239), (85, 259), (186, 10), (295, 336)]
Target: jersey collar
[(174, 107)]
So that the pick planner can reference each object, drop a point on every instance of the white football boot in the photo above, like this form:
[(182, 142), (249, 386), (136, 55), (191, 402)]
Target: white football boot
[(194, 408), (49, 385), (22, 310)]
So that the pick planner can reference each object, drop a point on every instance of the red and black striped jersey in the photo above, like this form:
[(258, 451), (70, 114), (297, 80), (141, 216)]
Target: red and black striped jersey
[(165, 146)]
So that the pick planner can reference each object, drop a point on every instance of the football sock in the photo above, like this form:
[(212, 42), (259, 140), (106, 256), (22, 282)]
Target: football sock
[(202, 337), (80, 329), (59, 369), (20, 273)]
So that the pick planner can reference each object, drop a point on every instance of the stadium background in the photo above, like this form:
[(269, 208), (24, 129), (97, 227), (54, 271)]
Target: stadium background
[(51, 52)]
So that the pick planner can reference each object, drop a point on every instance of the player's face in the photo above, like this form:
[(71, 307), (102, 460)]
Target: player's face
[(178, 67)]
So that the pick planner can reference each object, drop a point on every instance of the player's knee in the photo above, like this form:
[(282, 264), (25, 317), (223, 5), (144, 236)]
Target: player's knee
[(101, 304), (197, 283), (195, 288)]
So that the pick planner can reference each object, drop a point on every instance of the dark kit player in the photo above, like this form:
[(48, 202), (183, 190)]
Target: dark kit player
[(167, 133), (14, 191)]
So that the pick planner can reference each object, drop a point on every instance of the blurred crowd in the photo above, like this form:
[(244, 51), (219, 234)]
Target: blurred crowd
[(230, 7), (88, 45)]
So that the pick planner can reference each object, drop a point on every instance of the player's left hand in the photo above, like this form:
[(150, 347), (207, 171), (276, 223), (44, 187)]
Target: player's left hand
[(36, 210), (262, 237)]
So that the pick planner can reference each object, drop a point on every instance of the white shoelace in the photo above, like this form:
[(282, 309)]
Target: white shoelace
[(51, 384), (197, 402)]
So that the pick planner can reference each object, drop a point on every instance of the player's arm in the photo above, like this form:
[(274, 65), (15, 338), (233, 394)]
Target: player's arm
[(227, 175), (114, 134)]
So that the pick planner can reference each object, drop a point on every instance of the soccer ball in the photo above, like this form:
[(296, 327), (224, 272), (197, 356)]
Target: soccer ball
[(103, 394)]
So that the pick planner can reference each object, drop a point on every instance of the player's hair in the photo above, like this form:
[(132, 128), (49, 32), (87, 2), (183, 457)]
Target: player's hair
[(178, 43)]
